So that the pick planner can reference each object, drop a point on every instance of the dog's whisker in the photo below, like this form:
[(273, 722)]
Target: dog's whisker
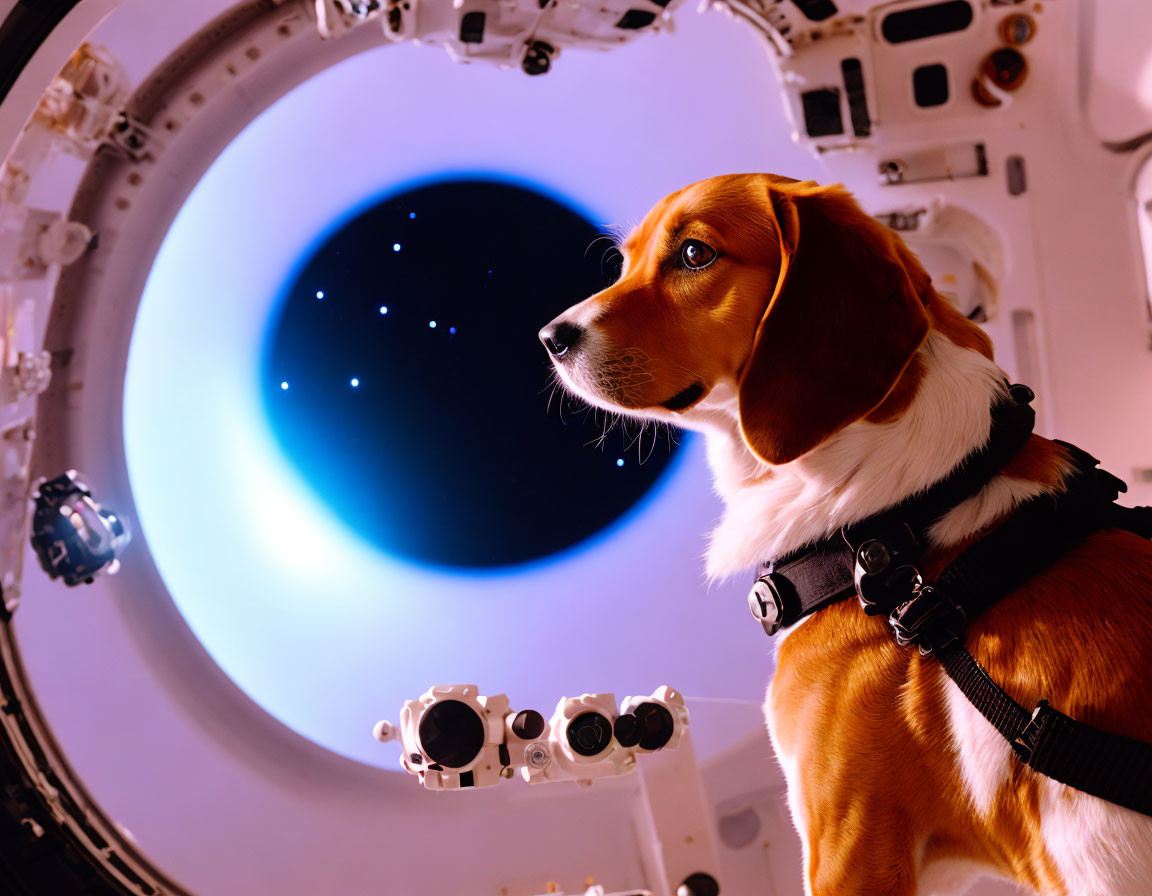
[(603, 236)]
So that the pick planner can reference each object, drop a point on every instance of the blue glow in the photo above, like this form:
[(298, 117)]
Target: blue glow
[(383, 309), (395, 247), (590, 545), (284, 385), (279, 544), (452, 330), (619, 461), (355, 382), (411, 214), (319, 293)]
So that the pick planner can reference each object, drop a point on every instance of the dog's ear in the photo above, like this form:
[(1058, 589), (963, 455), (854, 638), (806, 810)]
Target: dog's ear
[(843, 322)]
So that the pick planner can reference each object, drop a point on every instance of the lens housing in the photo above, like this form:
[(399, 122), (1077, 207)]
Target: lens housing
[(589, 733), (451, 733), (656, 726)]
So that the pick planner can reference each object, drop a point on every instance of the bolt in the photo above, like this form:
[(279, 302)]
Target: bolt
[(536, 755), (1018, 28), (874, 557)]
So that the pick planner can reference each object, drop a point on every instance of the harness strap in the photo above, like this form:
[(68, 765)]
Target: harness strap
[(877, 560), (1091, 760), (1110, 766), (1039, 532), (806, 580)]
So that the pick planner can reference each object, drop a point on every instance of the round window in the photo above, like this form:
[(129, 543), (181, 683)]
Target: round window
[(403, 376)]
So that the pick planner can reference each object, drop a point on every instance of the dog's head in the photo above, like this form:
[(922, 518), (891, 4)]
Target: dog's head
[(785, 292)]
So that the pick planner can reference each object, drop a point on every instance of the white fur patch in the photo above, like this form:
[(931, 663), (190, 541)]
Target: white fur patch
[(791, 769), (948, 877), (1100, 848), (863, 469), (985, 757)]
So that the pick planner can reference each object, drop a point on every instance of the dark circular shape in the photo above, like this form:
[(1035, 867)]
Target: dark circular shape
[(528, 724), (537, 58), (1007, 68), (404, 378), (627, 730), (739, 829), (451, 733), (699, 884), (589, 733), (656, 726)]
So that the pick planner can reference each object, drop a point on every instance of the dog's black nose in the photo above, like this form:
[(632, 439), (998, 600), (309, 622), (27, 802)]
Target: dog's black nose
[(558, 338)]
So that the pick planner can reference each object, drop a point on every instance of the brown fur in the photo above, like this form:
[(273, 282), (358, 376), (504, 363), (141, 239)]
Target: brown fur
[(867, 722), (816, 311), (844, 322)]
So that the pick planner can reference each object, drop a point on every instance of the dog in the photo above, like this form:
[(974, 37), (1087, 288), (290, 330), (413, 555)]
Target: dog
[(831, 381)]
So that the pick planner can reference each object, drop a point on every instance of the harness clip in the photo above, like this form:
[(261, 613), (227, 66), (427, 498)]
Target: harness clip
[(883, 576), (872, 559), (930, 620), (766, 603), (1024, 743)]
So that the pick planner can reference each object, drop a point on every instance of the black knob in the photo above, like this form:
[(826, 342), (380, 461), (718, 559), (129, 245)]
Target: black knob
[(627, 730), (451, 733), (1021, 393), (656, 725), (538, 56), (699, 884), (589, 733), (528, 724), (1007, 68)]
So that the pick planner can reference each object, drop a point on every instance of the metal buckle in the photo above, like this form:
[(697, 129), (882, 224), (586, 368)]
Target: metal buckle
[(883, 575), (930, 620), (766, 604), (1024, 743), (872, 559)]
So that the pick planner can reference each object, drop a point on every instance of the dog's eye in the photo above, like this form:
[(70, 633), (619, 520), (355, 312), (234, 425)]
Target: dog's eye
[(697, 255)]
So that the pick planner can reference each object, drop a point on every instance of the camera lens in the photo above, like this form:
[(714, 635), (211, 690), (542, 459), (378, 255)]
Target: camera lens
[(656, 725), (451, 733), (589, 733)]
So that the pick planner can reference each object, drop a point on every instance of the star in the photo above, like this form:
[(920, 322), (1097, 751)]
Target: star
[(355, 382), (395, 247), (319, 293)]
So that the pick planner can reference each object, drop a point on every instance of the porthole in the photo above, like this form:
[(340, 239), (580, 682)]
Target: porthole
[(403, 376)]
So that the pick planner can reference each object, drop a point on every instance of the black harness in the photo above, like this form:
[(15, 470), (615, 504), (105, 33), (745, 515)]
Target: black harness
[(878, 559)]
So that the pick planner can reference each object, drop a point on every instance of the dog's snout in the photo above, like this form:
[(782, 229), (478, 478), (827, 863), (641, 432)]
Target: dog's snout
[(560, 337)]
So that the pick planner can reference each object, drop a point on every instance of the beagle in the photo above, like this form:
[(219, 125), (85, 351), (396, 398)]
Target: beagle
[(831, 381)]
